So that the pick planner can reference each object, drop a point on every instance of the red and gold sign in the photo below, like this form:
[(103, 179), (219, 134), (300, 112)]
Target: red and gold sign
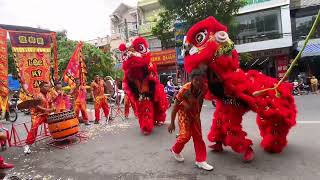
[(30, 42), (3, 63), (282, 65), (31, 53), (165, 57)]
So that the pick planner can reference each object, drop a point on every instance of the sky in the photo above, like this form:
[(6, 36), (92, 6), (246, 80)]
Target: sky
[(83, 19)]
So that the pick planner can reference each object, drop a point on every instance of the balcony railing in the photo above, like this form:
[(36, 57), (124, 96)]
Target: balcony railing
[(256, 38)]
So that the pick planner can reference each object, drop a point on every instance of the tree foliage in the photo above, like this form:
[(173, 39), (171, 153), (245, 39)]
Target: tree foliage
[(164, 29), (192, 11), (11, 65), (98, 62)]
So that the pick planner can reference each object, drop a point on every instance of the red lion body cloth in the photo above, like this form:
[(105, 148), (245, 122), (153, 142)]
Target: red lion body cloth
[(208, 47), (142, 85)]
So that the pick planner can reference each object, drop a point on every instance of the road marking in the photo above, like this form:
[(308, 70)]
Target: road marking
[(308, 122)]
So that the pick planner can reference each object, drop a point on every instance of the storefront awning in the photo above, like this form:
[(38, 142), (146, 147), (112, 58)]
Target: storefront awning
[(312, 48)]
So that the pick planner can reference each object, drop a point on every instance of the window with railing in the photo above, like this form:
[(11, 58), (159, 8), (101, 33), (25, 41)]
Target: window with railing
[(154, 44), (257, 26)]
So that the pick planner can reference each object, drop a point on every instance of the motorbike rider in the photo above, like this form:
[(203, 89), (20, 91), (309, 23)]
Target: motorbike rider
[(170, 86), (296, 86)]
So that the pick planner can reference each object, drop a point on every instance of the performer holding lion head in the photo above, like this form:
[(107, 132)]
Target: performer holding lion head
[(142, 85), (208, 46)]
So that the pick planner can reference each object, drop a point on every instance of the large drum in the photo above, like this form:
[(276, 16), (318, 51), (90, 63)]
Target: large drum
[(62, 125)]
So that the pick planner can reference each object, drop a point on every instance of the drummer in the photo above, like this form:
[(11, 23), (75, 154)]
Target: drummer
[(39, 114), (100, 101), (79, 94), (60, 98)]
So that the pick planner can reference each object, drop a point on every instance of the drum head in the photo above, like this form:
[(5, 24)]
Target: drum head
[(28, 104)]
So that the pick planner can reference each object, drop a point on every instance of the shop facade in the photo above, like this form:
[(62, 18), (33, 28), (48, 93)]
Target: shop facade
[(303, 14), (264, 31), (166, 64)]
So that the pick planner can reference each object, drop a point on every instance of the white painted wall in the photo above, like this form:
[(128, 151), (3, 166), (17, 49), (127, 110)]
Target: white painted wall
[(264, 5), (286, 41)]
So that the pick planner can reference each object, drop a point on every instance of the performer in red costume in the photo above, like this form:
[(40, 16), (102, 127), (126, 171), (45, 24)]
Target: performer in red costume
[(142, 85), (79, 94), (59, 97), (100, 100), (207, 45), (4, 165), (39, 114), (188, 104), (127, 105)]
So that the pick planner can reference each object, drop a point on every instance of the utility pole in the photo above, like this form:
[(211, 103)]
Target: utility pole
[(126, 30)]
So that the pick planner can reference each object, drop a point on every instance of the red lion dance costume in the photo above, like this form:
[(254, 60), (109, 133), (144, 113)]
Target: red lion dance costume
[(208, 47), (142, 85)]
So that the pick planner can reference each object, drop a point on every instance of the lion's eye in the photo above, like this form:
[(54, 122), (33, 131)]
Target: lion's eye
[(201, 36), (125, 56), (141, 48)]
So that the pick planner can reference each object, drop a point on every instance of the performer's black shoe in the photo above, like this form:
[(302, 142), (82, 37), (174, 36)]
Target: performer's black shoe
[(96, 122), (87, 123)]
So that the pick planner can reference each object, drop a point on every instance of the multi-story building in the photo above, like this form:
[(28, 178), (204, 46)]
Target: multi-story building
[(264, 31), (303, 14), (164, 58), (101, 43), (148, 11), (124, 24)]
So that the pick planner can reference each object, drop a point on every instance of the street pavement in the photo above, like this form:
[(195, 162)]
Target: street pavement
[(119, 151)]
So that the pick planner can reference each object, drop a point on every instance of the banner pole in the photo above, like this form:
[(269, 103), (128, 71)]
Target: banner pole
[(55, 56)]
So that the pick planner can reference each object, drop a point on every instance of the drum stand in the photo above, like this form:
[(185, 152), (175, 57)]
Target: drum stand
[(115, 109), (71, 140)]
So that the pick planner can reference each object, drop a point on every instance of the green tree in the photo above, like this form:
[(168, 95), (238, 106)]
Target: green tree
[(11, 64), (192, 11), (98, 62), (65, 50), (164, 29), (244, 59), (62, 35)]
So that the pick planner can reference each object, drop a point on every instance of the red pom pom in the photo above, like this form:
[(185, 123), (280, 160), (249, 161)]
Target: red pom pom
[(122, 47)]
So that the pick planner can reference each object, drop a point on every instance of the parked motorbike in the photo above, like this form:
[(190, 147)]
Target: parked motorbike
[(303, 88), (14, 100), (10, 115)]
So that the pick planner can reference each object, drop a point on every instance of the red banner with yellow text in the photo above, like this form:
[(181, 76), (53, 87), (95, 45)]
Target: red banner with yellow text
[(31, 53), (165, 57), (3, 63), (4, 91), (34, 68)]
